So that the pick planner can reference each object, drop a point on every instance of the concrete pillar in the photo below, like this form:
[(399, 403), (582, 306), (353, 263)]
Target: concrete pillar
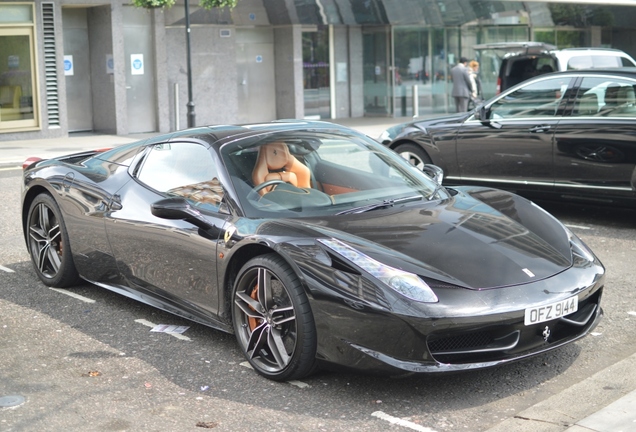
[(356, 77), (288, 52), (162, 87), (119, 75)]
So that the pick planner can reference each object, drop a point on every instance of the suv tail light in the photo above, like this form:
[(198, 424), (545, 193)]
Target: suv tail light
[(498, 85), (27, 163)]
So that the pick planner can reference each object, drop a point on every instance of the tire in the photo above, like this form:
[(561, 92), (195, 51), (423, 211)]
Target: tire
[(272, 319), (414, 154), (49, 245)]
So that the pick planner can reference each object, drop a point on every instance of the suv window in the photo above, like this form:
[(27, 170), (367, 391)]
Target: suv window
[(595, 61)]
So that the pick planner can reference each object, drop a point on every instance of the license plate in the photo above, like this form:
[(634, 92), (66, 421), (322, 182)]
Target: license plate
[(552, 311)]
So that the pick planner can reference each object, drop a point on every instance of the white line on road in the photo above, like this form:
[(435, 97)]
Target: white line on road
[(577, 226), (8, 270), (153, 325), (400, 422), (72, 294), (10, 168), (296, 383)]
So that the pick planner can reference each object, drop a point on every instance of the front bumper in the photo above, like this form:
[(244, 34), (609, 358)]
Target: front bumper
[(466, 330)]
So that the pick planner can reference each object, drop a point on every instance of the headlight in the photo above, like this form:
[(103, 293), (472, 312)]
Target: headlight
[(580, 251), (408, 284)]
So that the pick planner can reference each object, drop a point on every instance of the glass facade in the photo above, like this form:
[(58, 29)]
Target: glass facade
[(334, 58), (426, 39)]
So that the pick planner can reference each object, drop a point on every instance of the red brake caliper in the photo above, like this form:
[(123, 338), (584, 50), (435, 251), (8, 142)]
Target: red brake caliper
[(253, 322)]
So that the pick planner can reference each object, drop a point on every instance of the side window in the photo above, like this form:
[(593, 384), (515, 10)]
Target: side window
[(580, 62), (183, 169), (603, 97), (539, 99), (627, 62)]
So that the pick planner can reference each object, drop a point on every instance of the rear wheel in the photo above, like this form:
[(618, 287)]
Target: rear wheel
[(48, 243), (272, 319), (414, 154)]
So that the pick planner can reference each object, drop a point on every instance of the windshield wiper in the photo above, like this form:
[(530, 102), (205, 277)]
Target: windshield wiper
[(382, 204)]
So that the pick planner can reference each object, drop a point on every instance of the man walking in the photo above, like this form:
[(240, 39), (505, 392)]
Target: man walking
[(462, 86)]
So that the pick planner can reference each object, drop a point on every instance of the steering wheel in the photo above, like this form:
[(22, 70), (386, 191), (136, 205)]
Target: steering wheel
[(253, 194)]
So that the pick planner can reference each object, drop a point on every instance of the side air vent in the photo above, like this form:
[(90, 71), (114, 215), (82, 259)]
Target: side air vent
[(50, 65)]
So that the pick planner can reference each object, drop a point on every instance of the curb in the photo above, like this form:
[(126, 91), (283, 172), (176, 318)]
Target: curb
[(597, 403)]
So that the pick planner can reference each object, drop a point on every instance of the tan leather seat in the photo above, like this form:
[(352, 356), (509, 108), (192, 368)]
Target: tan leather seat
[(275, 162)]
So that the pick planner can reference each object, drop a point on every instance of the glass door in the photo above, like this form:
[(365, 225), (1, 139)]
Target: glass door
[(316, 73), (18, 89), (378, 79)]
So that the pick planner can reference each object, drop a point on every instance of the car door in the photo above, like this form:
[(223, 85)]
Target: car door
[(512, 146), (170, 260), (595, 151)]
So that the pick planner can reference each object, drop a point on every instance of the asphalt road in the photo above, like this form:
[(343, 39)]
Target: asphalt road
[(85, 359)]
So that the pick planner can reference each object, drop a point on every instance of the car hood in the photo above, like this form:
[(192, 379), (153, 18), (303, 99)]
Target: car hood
[(461, 241)]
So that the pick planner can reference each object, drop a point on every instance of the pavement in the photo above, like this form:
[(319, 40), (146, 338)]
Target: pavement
[(603, 402)]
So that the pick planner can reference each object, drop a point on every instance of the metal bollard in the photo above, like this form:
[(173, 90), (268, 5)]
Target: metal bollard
[(416, 102), (176, 106)]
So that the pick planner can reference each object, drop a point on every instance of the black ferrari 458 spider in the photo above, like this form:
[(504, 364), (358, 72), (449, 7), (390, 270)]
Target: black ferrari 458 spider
[(316, 246)]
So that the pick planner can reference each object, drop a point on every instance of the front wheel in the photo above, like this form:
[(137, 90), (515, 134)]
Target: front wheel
[(272, 319), (48, 243), (414, 154)]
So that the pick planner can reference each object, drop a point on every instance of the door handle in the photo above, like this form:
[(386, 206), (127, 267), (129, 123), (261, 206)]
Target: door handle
[(539, 129)]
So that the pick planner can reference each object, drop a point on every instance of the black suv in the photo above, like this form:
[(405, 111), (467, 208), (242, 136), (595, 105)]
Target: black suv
[(506, 64)]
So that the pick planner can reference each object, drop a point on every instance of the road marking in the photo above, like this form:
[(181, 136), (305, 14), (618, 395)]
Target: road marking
[(153, 325), (400, 422), (72, 294), (5, 269), (10, 168), (577, 226), (296, 383)]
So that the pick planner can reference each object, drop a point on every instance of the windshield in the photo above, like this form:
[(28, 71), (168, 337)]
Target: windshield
[(310, 173)]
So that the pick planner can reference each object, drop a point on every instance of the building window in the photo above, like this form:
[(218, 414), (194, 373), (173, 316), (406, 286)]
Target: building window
[(18, 89)]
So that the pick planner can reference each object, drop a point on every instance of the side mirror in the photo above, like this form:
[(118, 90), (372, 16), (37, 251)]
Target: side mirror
[(434, 172), (481, 113), (180, 209)]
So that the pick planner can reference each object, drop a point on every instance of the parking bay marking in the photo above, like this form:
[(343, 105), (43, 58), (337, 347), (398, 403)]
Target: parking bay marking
[(153, 325), (577, 226), (5, 269), (401, 422), (296, 383), (72, 294)]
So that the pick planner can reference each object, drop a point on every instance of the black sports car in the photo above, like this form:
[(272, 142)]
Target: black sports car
[(315, 245), (566, 136)]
